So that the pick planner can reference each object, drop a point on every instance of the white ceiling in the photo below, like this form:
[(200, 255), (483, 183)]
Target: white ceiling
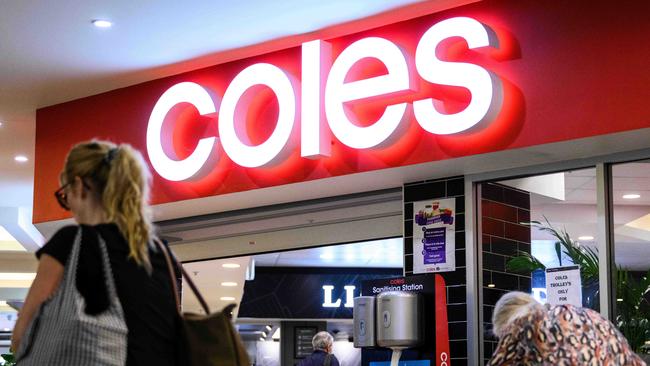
[(208, 275), (577, 213), (387, 253)]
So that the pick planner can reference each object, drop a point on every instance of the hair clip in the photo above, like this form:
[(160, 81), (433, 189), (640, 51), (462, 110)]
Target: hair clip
[(110, 155)]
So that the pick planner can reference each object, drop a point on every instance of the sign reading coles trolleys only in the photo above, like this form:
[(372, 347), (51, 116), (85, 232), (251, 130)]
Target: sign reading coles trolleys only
[(320, 99), (434, 236)]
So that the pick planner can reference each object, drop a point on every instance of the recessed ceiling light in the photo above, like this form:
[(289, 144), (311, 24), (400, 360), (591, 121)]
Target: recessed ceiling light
[(229, 284), (586, 238), (261, 339), (227, 298), (491, 285), (269, 328), (619, 300), (102, 23), (21, 158), (230, 265), (264, 334), (631, 196)]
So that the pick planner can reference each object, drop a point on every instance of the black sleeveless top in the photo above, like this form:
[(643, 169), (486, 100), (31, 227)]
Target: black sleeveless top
[(147, 300)]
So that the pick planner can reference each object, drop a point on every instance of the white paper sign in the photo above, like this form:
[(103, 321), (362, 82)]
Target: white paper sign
[(434, 235), (564, 286)]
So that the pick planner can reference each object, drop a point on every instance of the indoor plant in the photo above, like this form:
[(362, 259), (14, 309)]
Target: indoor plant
[(633, 308)]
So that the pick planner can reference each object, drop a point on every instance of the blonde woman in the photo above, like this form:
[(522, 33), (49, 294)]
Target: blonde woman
[(106, 188), (534, 334)]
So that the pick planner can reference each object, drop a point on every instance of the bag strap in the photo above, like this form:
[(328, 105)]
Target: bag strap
[(170, 258)]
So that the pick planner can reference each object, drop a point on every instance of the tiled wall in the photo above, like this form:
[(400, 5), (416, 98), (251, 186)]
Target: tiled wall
[(503, 209), (456, 280)]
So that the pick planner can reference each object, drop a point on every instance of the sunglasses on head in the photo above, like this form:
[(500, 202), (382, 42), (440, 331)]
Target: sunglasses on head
[(62, 197)]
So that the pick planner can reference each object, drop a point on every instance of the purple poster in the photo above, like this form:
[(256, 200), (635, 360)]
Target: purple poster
[(434, 236)]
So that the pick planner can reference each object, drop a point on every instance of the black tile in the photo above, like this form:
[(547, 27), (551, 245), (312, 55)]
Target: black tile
[(460, 257), (487, 312), (487, 277), (524, 284), (460, 240), (458, 330), (458, 361), (460, 204), (408, 246), (504, 281), (457, 349), (457, 313), (408, 263), (457, 277), (456, 294), (504, 246), (455, 187), (492, 295), (494, 262), (516, 198), (408, 228), (524, 247), (460, 222), (488, 349), (425, 191), (408, 211), (492, 192)]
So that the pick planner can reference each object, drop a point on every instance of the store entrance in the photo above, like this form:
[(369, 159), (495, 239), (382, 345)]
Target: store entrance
[(285, 298)]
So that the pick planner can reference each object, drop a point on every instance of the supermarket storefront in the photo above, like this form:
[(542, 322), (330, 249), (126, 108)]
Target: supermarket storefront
[(339, 136)]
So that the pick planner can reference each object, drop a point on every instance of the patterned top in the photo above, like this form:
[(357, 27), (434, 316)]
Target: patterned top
[(563, 335)]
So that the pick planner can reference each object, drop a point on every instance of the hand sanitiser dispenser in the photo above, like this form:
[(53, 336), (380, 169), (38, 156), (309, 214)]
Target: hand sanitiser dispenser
[(364, 321), (398, 322)]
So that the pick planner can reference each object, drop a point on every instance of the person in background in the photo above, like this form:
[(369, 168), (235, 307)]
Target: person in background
[(534, 334), (322, 355), (105, 186)]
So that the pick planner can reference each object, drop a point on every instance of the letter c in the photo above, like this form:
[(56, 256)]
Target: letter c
[(178, 170)]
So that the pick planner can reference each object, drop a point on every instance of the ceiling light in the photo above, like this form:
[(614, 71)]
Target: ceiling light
[(12, 276), (631, 196), (229, 284), (586, 238), (21, 158), (261, 339), (102, 23), (227, 298), (230, 265), (619, 300), (491, 285), (263, 334), (269, 328)]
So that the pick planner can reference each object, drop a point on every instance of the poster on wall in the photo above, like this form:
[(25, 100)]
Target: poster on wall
[(434, 236), (564, 286)]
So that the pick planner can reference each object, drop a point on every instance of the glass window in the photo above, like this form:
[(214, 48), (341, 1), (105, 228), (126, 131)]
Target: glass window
[(631, 197), (532, 224)]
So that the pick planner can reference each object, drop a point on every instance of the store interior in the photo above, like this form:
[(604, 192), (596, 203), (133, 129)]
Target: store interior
[(312, 286)]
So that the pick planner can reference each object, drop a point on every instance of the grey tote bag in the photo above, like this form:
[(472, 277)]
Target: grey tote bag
[(61, 333)]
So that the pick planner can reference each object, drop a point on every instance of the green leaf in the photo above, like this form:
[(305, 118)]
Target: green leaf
[(524, 263)]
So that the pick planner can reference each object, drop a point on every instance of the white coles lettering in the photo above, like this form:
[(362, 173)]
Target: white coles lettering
[(483, 85), (174, 169), (232, 128), (338, 92)]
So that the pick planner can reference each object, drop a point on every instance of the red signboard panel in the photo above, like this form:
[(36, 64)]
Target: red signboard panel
[(567, 71)]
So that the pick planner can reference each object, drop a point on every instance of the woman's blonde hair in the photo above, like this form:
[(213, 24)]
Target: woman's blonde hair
[(121, 178), (511, 306)]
